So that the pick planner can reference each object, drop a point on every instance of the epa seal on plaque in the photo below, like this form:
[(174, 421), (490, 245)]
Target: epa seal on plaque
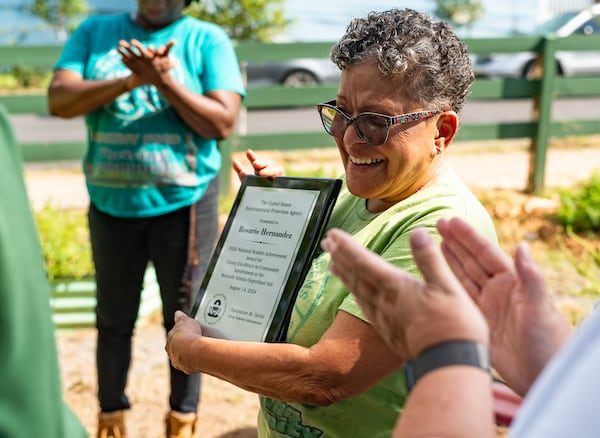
[(215, 309)]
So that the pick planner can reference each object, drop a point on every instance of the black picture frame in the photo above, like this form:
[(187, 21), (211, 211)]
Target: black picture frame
[(215, 303)]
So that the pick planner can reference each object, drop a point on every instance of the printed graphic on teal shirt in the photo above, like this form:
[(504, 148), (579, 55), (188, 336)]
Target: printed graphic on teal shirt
[(139, 102), (139, 140)]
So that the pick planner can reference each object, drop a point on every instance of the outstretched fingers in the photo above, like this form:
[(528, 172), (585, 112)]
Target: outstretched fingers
[(400, 305), (134, 49), (456, 265), (260, 167), (238, 168), (472, 257), (375, 284), (430, 261), (263, 167), (164, 50), (530, 274)]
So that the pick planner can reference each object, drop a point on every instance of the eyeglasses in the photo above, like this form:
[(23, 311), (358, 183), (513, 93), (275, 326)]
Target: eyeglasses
[(372, 128)]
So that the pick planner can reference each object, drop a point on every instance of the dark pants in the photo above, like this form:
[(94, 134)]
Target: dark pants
[(122, 248)]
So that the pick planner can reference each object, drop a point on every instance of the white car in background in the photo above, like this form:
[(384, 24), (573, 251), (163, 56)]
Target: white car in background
[(521, 64), (293, 72)]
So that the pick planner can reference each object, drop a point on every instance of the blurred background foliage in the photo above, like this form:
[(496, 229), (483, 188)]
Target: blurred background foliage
[(243, 20)]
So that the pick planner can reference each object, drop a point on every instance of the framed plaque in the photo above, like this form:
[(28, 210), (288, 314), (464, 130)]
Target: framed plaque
[(262, 257)]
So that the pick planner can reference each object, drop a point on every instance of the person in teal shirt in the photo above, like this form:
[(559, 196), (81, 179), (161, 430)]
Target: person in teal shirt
[(31, 403), (158, 90)]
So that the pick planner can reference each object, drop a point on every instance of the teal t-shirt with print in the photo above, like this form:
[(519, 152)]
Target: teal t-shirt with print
[(142, 159), (373, 413)]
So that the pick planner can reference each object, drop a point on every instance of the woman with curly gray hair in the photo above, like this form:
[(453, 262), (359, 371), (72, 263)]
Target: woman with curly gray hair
[(404, 78)]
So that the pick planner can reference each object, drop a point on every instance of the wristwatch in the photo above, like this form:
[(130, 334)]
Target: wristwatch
[(446, 354)]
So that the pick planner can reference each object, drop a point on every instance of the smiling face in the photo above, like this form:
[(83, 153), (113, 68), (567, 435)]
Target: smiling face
[(156, 14), (408, 160)]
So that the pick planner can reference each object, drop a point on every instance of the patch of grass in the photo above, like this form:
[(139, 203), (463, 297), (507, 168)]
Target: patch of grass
[(21, 77), (8, 82), (580, 209), (64, 237)]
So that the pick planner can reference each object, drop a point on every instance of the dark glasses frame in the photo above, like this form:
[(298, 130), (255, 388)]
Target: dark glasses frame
[(389, 120)]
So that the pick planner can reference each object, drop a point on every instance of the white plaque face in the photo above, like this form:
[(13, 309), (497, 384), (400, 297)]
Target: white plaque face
[(254, 264)]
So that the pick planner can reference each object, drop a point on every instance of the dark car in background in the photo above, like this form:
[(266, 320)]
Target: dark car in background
[(292, 72), (521, 64)]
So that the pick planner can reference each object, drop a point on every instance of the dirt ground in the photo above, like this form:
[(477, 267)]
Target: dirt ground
[(227, 411)]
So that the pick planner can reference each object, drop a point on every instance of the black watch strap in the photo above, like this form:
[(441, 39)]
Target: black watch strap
[(446, 354)]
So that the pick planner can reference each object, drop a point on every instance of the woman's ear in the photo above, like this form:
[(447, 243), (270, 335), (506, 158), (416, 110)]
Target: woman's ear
[(447, 127)]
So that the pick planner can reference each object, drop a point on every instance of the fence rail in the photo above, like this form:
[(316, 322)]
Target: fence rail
[(73, 302), (539, 127)]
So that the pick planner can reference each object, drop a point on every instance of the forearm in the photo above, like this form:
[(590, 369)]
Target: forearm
[(452, 401), (71, 98), (281, 371), (348, 359), (207, 116)]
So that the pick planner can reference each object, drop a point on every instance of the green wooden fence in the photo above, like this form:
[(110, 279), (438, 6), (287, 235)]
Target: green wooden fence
[(73, 302), (539, 127)]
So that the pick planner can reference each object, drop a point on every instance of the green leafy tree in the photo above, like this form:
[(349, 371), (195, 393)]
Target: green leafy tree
[(243, 20), (459, 12), (63, 15)]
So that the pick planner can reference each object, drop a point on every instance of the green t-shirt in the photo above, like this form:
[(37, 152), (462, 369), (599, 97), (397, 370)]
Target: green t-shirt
[(373, 413), (30, 392)]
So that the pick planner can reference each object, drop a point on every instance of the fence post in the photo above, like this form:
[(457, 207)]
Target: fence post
[(542, 108)]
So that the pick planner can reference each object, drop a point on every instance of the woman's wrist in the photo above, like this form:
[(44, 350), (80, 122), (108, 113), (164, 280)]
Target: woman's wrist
[(447, 353), (127, 84)]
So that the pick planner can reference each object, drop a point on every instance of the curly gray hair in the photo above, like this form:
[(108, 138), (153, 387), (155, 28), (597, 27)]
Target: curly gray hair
[(432, 61)]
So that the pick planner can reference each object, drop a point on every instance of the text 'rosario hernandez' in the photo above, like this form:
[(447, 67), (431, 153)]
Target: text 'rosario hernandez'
[(265, 232)]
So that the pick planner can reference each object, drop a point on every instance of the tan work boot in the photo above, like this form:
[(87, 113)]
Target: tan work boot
[(111, 425), (181, 425)]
